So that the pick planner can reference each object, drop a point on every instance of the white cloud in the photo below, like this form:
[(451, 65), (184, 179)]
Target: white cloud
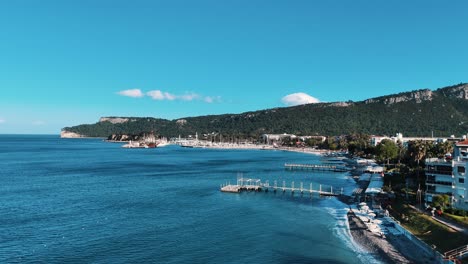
[(135, 93), (160, 95), (156, 95), (299, 99), (212, 99), (38, 123), (189, 97), (170, 96), (2, 120)]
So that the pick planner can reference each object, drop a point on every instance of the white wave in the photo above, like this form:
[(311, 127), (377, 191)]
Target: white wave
[(341, 229)]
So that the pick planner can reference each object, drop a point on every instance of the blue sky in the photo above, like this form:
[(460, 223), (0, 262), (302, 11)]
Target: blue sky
[(64, 63)]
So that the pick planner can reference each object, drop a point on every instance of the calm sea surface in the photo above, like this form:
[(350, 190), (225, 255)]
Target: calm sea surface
[(87, 201)]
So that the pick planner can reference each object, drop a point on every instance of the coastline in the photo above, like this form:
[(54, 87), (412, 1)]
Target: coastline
[(388, 249), (261, 147)]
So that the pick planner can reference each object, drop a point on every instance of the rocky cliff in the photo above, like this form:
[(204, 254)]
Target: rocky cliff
[(68, 134), (142, 137), (457, 91), (114, 120), (418, 97)]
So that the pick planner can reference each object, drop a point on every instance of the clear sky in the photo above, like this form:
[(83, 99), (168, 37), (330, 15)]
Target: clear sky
[(66, 62)]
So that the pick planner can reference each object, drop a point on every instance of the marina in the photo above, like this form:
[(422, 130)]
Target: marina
[(246, 184)]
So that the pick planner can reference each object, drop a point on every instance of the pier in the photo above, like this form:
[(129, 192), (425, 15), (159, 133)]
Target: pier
[(246, 184), (292, 166)]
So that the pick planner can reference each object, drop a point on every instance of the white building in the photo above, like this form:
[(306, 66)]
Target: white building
[(273, 138), (448, 176), (375, 140)]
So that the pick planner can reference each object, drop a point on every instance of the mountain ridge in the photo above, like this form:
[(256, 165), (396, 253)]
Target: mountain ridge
[(415, 113)]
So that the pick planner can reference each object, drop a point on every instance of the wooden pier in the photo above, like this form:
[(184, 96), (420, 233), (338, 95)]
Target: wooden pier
[(245, 184), (292, 166)]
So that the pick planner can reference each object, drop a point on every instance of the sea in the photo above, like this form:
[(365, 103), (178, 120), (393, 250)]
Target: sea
[(90, 201)]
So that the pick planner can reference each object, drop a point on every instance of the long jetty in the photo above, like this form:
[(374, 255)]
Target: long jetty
[(293, 166), (246, 184)]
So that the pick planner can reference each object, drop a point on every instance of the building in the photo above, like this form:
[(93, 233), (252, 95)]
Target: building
[(375, 140), (448, 176), (318, 138), (273, 138)]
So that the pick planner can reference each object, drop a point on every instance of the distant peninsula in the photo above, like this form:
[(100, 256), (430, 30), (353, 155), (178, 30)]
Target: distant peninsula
[(442, 112)]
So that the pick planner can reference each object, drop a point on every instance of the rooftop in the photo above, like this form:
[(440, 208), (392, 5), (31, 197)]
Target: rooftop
[(463, 143)]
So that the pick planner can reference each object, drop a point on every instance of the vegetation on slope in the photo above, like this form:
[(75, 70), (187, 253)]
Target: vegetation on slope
[(418, 113)]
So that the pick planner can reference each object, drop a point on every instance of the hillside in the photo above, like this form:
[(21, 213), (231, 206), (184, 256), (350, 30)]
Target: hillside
[(417, 113)]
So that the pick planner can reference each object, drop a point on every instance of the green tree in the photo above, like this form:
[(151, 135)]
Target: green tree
[(401, 151), (442, 148), (343, 143), (417, 150), (358, 144), (386, 150), (441, 200), (313, 142)]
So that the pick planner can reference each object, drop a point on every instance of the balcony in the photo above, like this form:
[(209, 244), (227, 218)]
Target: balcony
[(438, 193), (439, 172), (439, 182), (437, 161)]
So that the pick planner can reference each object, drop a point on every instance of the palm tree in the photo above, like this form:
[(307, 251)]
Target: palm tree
[(417, 149), (445, 147), (401, 151)]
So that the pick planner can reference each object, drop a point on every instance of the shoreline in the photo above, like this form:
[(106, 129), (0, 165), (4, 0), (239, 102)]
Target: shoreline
[(388, 249), (262, 147)]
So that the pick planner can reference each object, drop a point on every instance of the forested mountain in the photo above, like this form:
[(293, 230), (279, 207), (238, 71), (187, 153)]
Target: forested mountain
[(417, 113)]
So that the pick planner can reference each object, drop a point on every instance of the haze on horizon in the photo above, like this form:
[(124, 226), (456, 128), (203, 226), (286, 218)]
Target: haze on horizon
[(71, 62)]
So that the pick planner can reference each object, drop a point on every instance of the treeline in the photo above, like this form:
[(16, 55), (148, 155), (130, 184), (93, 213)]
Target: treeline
[(443, 115)]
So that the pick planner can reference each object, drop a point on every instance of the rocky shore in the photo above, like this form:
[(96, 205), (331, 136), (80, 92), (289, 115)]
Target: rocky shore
[(388, 249), (68, 134)]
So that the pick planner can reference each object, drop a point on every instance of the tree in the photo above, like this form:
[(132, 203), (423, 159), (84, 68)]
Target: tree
[(358, 144), (401, 151), (417, 149), (441, 201), (443, 148), (387, 150), (313, 142), (343, 143)]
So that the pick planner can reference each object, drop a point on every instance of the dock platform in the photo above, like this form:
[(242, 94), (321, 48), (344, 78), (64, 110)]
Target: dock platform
[(245, 184)]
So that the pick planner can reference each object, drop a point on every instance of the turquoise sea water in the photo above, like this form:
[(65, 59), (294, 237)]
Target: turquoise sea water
[(87, 201)]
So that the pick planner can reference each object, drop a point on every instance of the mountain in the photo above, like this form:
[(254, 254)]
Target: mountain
[(443, 112)]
